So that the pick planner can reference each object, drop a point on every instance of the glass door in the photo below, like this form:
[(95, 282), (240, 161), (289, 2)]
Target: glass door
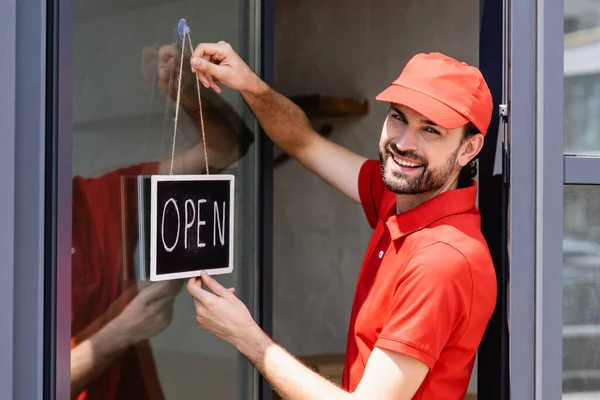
[(581, 222), (130, 338)]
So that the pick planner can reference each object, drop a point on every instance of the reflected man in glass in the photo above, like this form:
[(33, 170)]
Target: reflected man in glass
[(113, 314)]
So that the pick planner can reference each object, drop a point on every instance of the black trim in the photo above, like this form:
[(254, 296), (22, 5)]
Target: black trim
[(50, 201), (265, 219), (493, 362)]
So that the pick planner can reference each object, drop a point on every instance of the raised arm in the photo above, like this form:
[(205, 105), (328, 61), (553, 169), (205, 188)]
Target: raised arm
[(283, 121)]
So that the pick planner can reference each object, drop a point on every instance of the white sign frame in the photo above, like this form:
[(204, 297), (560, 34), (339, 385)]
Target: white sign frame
[(154, 277)]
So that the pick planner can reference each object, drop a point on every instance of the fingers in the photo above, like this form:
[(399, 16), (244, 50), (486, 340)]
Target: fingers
[(194, 288), (205, 62), (205, 67), (205, 78), (213, 285), (213, 84), (217, 51)]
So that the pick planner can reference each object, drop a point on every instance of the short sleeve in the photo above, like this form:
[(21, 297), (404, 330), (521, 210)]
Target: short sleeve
[(371, 190), (431, 304)]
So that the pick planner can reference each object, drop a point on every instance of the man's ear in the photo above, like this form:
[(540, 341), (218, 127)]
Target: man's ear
[(469, 149)]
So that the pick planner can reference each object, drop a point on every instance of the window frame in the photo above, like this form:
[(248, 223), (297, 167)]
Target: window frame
[(56, 195), (536, 197), (58, 200), (23, 82), (581, 170)]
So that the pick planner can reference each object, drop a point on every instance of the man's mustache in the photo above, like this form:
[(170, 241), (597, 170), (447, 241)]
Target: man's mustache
[(405, 153)]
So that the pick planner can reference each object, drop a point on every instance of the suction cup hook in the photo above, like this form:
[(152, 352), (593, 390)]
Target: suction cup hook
[(182, 28)]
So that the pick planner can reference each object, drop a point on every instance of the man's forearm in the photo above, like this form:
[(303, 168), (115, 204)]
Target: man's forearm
[(288, 376), (93, 356), (283, 121)]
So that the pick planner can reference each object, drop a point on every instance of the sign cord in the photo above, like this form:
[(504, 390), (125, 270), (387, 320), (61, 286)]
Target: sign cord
[(200, 110), (186, 34)]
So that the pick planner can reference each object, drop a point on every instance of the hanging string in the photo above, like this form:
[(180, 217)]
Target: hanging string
[(168, 102), (177, 106), (200, 110), (186, 34)]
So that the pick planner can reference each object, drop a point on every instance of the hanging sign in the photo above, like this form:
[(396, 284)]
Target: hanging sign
[(191, 225), (191, 216)]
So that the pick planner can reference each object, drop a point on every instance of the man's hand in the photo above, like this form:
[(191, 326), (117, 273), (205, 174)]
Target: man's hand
[(387, 375), (160, 66), (220, 312), (218, 62), (149, 313)]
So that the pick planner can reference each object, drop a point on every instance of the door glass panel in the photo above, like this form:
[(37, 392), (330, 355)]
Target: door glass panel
[(582, 77), (581, 292), (132, 339)]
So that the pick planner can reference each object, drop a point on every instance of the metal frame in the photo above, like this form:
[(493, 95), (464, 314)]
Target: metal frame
[(8, 28), (581, 170), (29, 199), (59, 156), (536, 199), (22, 105), (265, 187), (549, 199), (522, 196)]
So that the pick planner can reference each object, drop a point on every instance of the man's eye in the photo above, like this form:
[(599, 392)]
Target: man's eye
[(399, 117), (431, 130)]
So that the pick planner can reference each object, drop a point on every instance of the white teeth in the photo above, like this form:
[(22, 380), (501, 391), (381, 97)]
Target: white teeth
[(406, 163)]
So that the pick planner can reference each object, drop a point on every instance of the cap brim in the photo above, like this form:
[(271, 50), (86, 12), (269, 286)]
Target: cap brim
[(432, 109)]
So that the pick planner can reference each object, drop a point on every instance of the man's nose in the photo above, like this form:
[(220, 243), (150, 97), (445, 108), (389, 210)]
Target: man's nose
[(407, 140)]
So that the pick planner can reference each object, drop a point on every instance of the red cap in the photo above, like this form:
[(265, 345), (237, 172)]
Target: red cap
[(446, 91)]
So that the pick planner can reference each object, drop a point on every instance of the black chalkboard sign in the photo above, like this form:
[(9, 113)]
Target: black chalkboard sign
[(191, 225)]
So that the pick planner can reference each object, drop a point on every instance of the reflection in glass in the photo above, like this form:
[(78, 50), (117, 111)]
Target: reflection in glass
[(132, 339), (581, 290), (582, 77)]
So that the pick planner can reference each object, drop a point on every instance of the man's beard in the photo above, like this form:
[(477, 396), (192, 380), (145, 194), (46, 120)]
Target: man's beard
[(428, 180)]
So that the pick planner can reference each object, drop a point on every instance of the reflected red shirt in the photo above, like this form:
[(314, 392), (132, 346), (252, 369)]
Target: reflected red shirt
[(426, 289), (99, 279)]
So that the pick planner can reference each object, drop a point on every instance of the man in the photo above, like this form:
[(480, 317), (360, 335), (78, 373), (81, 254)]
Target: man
[(427, 285), (112, 319)]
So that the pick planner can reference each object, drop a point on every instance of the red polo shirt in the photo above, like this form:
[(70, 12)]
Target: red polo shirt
[(427, 286), (98, 283)]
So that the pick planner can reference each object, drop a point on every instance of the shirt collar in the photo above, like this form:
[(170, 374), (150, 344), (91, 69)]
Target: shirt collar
[(455, 201)]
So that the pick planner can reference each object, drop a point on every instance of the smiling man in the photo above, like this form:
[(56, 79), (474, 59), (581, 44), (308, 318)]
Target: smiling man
[(427, 285)]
